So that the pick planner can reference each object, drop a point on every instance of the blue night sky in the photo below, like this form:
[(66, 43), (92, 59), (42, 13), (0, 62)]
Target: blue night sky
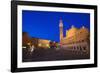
[(45, 25)]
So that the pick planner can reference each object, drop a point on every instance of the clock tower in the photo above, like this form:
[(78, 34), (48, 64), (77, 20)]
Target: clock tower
[(61, 29)]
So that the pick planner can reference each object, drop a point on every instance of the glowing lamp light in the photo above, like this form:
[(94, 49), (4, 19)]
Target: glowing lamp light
[(28, 43), (40, 44), (24, 47), (47, 45)]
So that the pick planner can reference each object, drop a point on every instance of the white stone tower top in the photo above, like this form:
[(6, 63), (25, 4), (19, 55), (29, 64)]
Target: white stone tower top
[(61, 23), (83, 27), (72, 26)]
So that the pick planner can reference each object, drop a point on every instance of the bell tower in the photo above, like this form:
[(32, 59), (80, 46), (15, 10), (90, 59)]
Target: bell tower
[(61, 29)]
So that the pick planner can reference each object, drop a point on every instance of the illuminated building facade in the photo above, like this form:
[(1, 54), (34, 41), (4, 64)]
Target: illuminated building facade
[(76, 39), (43, 43), (36, 42)]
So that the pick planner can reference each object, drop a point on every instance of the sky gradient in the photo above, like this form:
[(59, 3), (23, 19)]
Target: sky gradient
[(45, 25)]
